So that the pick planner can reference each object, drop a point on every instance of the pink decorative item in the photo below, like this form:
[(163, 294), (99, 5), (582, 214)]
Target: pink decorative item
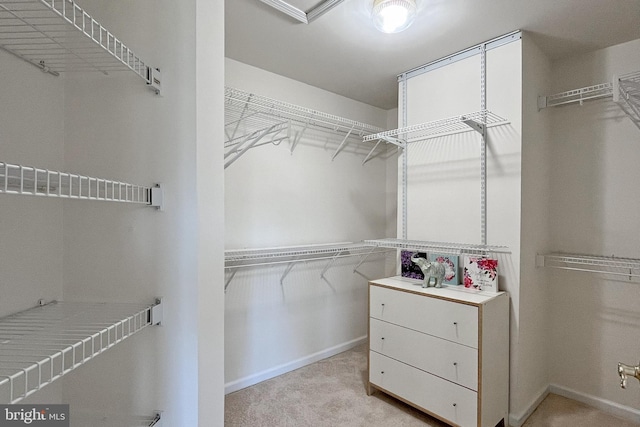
[(480, 273)]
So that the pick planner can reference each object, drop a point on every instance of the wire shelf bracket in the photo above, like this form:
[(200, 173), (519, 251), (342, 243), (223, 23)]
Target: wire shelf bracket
[(31, 181), (57, 36), (40, 345), (615, 266), (477, 121)]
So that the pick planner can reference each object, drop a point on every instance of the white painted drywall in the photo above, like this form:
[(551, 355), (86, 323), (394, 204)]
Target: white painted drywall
[(276, 198), (594, 210), (530, 346), (210, 193)]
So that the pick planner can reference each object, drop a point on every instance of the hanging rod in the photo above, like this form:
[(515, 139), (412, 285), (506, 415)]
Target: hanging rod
[(58, 36), (439, 247), (617, 266), (42, 344), (476, 121), (31, 181)]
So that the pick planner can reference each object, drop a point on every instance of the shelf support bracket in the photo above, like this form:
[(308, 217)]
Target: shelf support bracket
[(228, 281), (344, 141), (366, 159), (298, 137), (364, 258), (156, 197), (395, 141), (157, 312), (329, 264), (287, 271), (477, 126)]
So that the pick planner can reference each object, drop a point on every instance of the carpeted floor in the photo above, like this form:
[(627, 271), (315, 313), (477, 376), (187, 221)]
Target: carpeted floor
[(332, 393)]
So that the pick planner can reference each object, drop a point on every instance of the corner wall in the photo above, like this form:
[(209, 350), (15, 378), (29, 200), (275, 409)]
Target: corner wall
[(278, 319), (594, 206)]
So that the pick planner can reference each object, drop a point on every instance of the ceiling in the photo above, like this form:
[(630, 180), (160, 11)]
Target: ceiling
[(342, 52)]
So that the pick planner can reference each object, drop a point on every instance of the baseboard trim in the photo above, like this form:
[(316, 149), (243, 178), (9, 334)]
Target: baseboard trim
[(517, 420), (250, 380), (603, 405)]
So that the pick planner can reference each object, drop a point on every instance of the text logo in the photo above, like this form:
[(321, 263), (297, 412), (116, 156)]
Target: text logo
[(34, 415)]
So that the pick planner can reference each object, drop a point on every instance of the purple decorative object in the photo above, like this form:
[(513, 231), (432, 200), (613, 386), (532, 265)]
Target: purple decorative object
[(408, 268)]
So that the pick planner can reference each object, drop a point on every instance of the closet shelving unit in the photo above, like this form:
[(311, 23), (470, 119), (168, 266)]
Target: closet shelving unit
[(253, 120), (623, 89), (31, 181), (40, 345), (238, 258), (616, 266), (58, 36)]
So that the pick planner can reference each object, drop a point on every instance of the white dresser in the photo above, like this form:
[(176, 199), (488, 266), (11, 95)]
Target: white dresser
[(444, 351)]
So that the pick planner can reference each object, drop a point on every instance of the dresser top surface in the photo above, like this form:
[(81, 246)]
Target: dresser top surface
[(446, 292)]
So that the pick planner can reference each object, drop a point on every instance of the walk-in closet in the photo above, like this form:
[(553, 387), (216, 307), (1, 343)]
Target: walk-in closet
[(300, 212)]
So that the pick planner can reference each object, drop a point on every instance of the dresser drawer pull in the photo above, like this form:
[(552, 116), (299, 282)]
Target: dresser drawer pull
[(455, 404)]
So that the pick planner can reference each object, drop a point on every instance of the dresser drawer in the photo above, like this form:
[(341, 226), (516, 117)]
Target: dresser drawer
[(450, 401), (441, 318), (446, 359)]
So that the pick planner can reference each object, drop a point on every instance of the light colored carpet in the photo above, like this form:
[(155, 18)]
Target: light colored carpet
[(558, 411), (332, 393)]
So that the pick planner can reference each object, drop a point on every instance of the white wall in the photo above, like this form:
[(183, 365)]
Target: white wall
[(530, 347), (594, 207), (275, 198)]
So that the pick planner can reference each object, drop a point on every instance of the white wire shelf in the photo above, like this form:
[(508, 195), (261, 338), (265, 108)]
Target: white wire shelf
[(31, 181), (599, 91), (439, 247), (40, 345), (254, 257), (58, 36), (290, 255), (624, 90), (477, 121), (616, 266), (252, 120)]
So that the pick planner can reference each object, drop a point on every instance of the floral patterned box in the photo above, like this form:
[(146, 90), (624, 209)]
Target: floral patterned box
[(451, 276), (480, 273)]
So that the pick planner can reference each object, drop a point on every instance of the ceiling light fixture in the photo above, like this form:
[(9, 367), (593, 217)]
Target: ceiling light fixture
[(393, 16)]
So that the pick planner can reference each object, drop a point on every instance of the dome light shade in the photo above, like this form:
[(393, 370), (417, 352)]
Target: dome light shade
[(393, 16)]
